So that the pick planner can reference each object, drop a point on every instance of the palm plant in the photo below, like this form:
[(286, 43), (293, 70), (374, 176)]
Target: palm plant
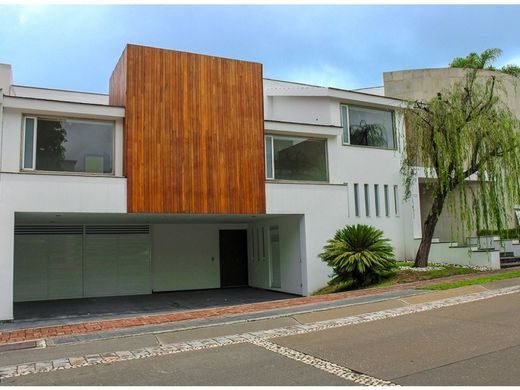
[(359, 253)]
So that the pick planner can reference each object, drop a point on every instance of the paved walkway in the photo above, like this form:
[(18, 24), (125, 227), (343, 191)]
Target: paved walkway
[(8, 336)]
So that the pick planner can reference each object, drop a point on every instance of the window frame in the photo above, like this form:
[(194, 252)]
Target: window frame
[(345, 107), (36, 117), (290, 136)]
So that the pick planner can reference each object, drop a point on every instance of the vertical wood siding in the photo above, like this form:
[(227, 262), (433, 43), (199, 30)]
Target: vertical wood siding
[(193, 132)]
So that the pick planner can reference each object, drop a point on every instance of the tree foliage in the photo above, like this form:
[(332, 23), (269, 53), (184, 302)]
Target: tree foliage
[(485, 60), (465, 131), (358, 253)]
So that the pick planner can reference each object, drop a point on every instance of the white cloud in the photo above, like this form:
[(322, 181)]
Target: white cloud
[(324, 75)]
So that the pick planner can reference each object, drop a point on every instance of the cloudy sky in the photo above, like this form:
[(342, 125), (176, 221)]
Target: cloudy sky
[(346, 46)]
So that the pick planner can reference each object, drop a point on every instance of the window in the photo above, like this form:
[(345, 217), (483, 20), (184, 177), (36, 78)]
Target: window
[(292, 158), (356, 199), (387, 201), (367, 200), (368, 127), (396, 200), (68, 145), (376, 199)]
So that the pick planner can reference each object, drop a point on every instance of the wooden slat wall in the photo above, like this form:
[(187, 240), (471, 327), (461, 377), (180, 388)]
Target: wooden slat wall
[(193, 132)]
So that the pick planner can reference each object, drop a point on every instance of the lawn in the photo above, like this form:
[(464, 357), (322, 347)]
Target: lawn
[(400, 276), (482, 280)]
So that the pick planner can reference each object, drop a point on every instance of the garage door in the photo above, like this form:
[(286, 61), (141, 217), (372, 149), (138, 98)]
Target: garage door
[(117, 261), (58, 262)]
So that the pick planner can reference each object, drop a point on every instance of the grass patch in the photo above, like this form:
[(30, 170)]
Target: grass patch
[(482, 280), (398, 277)]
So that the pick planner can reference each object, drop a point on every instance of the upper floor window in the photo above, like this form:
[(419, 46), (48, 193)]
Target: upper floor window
[(68, 145), (295, 158), (368, 127)]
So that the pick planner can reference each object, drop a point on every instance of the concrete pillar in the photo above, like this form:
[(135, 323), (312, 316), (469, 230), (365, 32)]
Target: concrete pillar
[(6, 263)]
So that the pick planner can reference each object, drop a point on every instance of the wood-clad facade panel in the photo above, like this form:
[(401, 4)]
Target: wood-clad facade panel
[(193, 132)]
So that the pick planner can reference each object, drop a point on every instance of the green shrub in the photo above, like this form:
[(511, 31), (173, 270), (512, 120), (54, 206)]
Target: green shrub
[(359, 253)]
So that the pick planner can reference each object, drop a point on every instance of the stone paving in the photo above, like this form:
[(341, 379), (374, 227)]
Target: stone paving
[(14, 336), (259, 338)]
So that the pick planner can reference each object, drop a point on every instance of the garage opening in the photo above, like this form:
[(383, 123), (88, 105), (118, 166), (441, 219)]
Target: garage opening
[(111, 261)]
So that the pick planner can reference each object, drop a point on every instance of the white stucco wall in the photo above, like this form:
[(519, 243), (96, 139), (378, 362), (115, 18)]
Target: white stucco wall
[(186, 256), (328, 207), (450, 253)]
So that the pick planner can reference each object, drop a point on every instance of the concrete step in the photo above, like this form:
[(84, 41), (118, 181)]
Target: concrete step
[(506, 254), (509, 261), (509, 265)]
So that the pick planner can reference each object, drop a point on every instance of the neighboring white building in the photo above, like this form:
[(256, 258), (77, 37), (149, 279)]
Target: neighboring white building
[(332, 158)]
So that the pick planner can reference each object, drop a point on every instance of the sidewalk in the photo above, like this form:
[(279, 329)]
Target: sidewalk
[(193, 318)]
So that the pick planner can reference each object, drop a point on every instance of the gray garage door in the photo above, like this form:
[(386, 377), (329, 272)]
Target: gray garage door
[(58, 262)]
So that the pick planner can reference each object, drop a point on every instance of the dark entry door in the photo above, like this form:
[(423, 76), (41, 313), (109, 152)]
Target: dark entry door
[(233, 258)]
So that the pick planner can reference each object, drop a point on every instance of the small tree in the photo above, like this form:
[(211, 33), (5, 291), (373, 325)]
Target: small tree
[(464, 131), (358, 253)]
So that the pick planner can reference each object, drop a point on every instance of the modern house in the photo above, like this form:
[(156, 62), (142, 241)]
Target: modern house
[(194, 172)]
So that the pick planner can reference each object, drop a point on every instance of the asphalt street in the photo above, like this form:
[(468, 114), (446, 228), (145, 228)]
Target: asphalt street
[(476, 343)]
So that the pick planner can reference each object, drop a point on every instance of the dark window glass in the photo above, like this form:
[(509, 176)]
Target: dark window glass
[(299, 159), (74, 146), (29, 143), (369, 127), (356, 199)]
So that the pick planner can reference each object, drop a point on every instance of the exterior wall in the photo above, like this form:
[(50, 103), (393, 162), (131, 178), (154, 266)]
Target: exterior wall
[(283, 108), (192, 121), (186, 256), (423, 84), (56, 94), (6, 77), (326, 208), (329, 206)]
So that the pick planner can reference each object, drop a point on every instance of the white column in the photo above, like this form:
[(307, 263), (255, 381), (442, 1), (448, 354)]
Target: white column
[(6, 263)]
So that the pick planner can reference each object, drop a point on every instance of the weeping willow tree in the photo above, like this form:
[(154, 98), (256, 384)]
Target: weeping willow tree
[(464, 132)]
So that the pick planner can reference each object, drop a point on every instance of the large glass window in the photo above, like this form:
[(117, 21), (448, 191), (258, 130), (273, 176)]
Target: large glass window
[(295, 158), (368, 127), (68, 145)]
